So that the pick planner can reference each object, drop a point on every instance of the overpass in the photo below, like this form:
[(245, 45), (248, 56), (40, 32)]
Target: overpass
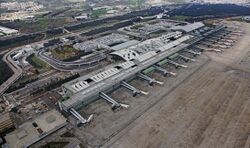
[(15, 68)]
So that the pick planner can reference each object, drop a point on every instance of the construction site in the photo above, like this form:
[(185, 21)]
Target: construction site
[(156, 83)]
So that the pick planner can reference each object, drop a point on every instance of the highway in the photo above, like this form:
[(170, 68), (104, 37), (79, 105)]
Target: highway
[(15, 68)]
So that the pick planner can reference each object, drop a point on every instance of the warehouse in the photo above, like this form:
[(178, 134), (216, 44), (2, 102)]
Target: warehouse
[(5, 122), (32, 131), (189, 27)]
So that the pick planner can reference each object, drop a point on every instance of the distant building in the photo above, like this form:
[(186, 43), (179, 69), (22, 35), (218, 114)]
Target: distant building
[(26, 51), (221, 1), (189, 27), (82, 17), (246, 18), (33, 131), (16, 16), (103, 7), (7, 31), (112, 11), (5, 122)]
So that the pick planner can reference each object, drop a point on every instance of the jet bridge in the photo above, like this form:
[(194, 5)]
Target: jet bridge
[(115, 105), (221, 35), (225, 43), (177, 65), (164, 71), (235, 34), (228, 40), (211, 40), (81, 120), (133, 89), (211, 49), (150, 80), (215, 38), (207, 44), (222, 41), (186, 59), (193, 52)]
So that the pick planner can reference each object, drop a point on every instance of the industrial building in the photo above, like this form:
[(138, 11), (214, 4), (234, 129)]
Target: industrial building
[(145, 29), (34, 130), (5, 122), (125, 45), (102, 42), (189, 27), (26, 51)]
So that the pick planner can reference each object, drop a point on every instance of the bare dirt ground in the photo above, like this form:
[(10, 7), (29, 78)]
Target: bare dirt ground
[(210, 109)]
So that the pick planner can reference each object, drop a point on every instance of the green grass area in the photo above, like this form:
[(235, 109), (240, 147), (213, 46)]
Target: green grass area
[(64, 52), (37, 63), (39, 25), (68, 53), (43, 22), (180, 17), (98, 13)]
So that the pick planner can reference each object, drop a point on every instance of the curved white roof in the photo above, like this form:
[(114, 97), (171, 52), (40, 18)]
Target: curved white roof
[(148, 48), (126, 54), (189, 27)]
